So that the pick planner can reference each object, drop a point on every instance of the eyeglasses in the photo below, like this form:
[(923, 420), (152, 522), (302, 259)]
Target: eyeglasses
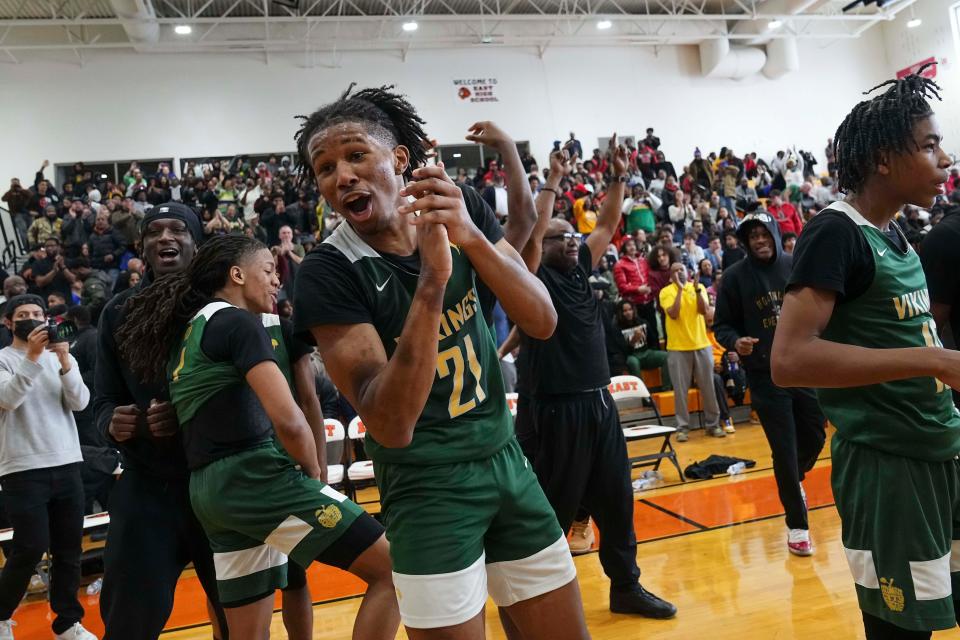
[(565, 236)]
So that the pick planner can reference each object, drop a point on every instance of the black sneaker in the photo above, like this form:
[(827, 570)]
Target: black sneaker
[(640, 601)]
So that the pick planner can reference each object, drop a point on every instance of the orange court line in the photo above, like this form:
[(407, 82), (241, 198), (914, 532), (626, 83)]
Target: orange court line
[(685, 512)]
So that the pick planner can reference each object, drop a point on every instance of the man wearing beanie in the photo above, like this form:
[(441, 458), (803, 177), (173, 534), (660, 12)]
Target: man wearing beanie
[(153, 532), (40, 387)]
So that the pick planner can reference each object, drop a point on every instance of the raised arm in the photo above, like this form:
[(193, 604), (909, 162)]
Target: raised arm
[(522, 214), (390, 393), (523, 297), (801, 358), (609, 218), (561, 164)]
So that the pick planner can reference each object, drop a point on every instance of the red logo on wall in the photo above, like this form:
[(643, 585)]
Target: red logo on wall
[(930, 72), (464, 93)]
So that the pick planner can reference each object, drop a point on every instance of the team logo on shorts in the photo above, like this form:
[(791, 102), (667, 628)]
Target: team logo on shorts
[(892, 596), (329, 516)]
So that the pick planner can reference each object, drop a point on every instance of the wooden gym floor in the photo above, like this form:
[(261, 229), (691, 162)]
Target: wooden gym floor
[(715, 548)]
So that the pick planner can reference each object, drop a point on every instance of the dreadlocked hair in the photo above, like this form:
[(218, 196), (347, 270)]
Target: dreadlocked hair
[(883, 123), (157, 316), (381, 107)]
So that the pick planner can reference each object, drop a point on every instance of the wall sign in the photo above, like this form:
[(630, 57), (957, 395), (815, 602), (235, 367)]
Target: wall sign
[(929, 72), (476, 89)]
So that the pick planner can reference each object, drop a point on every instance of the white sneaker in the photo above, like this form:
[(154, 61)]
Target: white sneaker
[(76, 632), (6, 629), (798, 542)]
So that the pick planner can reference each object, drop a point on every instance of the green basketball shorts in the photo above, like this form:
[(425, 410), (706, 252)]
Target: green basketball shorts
[(458, 531), (901, 533), (257, 509)]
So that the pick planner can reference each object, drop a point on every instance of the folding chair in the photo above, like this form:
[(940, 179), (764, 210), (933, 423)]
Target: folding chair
[(359, 473), (335, 433), (631, 395)]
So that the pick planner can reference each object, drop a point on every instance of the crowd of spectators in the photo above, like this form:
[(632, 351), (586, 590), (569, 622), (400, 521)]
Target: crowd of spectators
[(83, 236)]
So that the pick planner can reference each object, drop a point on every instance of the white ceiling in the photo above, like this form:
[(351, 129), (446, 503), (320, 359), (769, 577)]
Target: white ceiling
[(72, 28)]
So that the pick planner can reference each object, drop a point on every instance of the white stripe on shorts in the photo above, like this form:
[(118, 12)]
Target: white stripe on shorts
[(288, 534), (513, 581), (237, 564), (332, 493), (931, 578), (862, 567), (441, 600)]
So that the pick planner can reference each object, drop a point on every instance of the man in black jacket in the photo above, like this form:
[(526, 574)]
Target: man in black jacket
[(153, 532), (748, 308)]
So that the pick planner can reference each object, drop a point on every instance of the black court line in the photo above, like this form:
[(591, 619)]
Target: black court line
[(207, 624), (745, 472), (676, 515), (702, 529)]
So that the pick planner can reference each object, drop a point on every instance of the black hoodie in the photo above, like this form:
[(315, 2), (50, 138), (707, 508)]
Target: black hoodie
[(751, 294)]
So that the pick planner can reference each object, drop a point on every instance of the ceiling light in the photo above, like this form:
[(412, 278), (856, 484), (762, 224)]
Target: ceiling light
[(604, 24), (914, 23), (774, 24), (458, 155), (410, 26), (486, 39), (183, 29)]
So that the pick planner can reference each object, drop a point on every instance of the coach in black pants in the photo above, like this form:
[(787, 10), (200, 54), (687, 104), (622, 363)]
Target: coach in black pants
[(748, 307), (153, 533), (567, 423)]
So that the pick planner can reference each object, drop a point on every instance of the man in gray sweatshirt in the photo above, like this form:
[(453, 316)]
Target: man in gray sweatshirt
[(40, 387)]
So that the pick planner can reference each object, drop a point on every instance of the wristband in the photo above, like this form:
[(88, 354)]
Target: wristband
[(618, 179), (551, 190)]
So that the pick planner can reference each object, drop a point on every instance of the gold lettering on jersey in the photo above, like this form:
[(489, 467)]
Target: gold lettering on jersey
[(913, 304), (454, 318)]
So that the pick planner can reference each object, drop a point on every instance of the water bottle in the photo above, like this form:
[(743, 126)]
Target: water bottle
[(642, 484), (736, 469)]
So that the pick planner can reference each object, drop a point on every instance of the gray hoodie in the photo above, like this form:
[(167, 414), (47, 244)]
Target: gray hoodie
[(37, 429)]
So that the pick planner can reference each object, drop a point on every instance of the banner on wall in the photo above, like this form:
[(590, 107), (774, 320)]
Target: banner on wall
[(930, 72), (476, 90)]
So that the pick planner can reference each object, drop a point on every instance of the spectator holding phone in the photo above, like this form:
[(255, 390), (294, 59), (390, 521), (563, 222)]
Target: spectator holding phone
[(40, 387)]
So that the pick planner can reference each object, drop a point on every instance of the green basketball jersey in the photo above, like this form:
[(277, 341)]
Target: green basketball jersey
[(194, 378), (915, 417), (466, 416)]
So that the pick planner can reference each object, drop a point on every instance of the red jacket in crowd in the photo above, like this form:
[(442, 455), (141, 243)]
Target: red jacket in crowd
[(630, 274), (787, 218)]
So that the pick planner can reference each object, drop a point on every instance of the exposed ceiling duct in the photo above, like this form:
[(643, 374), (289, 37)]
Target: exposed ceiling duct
[(720, 60), (139, 21), (782, 58)]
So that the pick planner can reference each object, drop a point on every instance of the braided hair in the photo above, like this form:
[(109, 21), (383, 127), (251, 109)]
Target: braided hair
[(392, 116), (883, 123), (157, 316)]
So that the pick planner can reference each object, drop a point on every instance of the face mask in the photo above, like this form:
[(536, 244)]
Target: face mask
[(23, 328)]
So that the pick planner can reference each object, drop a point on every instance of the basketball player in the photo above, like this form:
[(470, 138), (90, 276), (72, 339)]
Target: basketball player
[(391, 301), (856, 324)]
